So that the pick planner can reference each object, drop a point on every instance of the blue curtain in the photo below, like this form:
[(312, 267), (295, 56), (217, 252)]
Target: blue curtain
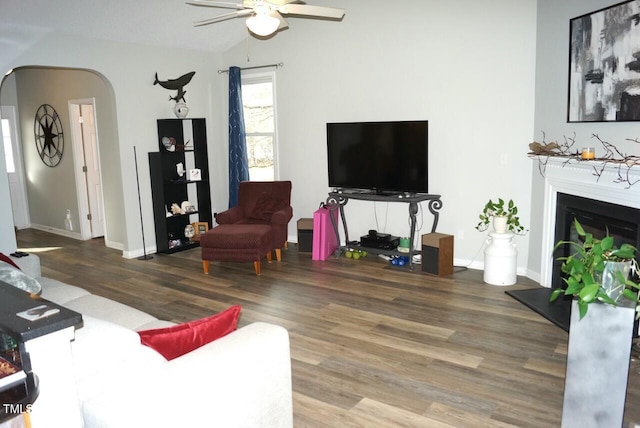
[(238, 162)]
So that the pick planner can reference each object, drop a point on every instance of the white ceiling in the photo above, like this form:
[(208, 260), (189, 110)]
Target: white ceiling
[(150, 22)]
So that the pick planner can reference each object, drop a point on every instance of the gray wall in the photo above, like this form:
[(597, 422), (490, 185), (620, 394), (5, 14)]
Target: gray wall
[(467, 67), (129, 69), (552, 62), (53, 190)]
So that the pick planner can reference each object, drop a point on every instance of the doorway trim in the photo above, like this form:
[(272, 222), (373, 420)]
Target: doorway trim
[(9, 112), (79, 164)]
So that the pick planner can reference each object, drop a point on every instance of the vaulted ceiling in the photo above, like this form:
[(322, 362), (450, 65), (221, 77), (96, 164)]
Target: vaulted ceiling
[(150, 22)]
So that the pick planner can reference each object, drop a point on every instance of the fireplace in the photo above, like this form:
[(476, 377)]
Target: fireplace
[(596, 217), (593, 193), (596, 200)]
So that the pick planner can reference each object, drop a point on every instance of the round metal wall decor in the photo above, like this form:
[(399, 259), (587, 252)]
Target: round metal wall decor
[(49, 137)]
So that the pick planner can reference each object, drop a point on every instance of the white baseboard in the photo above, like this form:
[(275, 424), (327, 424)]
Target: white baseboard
[(469, 264), (138, 253), (54, 230), (534, 276), (76, 235), (114, 245), (479, 265)]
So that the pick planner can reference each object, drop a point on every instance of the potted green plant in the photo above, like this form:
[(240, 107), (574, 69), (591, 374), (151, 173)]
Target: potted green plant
[(504, 216), (598, 271), (597, 370)]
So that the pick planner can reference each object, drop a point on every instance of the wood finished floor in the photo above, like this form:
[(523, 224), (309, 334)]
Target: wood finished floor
[(371, 345)]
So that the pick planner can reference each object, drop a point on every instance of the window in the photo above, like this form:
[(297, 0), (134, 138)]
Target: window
[(8, 150), (260, 125)]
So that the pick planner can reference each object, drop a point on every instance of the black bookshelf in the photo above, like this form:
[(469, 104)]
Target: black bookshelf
[(168, 187)]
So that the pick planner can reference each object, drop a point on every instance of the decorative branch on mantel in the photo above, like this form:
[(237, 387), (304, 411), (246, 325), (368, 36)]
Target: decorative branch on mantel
[(622, 161)]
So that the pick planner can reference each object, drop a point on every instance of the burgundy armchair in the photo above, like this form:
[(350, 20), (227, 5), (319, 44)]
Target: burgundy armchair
[(262, 202)]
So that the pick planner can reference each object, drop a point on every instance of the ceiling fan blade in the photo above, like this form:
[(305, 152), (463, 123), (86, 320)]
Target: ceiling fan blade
[(274, 3), (215, 4), (224, 17), (282, 2), (283, 22), (307, 10)]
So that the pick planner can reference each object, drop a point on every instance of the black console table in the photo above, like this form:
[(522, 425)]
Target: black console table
[(338, 199)]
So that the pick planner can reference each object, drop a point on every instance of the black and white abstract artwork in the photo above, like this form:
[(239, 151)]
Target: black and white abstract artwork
[(604, 65)]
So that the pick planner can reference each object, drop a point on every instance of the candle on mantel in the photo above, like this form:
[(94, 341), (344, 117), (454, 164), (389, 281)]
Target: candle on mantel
[(588, 153)]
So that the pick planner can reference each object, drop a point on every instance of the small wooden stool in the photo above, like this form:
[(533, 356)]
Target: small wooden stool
[(237, 243)]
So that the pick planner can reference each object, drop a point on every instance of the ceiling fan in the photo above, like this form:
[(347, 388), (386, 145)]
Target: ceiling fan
[(265, 16)]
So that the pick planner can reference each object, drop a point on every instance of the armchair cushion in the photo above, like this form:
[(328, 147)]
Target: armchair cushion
[(178, 340), (230, 216), (266, 205), (282, 216), (262, 202)]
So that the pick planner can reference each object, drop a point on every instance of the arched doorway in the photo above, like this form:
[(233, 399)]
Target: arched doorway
[(72, 197)]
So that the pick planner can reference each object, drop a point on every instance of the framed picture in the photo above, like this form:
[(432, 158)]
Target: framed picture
[(195, 174), (604, 65), (201, 227)]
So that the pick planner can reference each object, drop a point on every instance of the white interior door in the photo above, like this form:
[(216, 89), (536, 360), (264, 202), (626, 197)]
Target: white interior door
[(92, 163), (87, 161), (15, 167)]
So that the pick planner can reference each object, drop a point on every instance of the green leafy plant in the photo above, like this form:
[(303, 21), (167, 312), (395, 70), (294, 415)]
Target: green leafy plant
[(500, 209), (584, 268)]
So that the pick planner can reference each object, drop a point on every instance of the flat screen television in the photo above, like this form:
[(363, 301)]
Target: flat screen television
[(384, 157)]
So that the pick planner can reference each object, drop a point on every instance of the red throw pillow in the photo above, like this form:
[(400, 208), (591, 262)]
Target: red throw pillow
[(7, 259), (181, 339)]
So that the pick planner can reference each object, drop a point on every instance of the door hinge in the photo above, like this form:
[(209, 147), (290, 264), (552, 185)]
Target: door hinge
[(89, 216), (84, 168)]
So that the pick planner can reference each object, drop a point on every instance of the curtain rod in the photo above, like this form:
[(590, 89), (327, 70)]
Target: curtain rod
[(251, 68)]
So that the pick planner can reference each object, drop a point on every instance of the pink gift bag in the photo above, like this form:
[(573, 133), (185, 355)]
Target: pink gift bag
[(325, 241)]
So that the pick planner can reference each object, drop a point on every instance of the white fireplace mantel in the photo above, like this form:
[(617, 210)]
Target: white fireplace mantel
[(578, 178)]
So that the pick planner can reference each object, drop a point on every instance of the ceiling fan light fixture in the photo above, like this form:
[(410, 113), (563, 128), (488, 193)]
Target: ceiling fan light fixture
[(263, 25)]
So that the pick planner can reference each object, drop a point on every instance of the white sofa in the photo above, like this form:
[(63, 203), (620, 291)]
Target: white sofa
[(240, 380)]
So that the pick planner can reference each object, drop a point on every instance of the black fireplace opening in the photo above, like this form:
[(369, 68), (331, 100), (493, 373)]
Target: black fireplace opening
[(596, 217)]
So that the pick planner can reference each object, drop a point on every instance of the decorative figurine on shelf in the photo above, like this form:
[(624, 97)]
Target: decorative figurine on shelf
[(182, 147), (195, 174), (169, 143), (187, 207), (180, 109), (176, 210), (180, 169), (173, 242), (189, 232)]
